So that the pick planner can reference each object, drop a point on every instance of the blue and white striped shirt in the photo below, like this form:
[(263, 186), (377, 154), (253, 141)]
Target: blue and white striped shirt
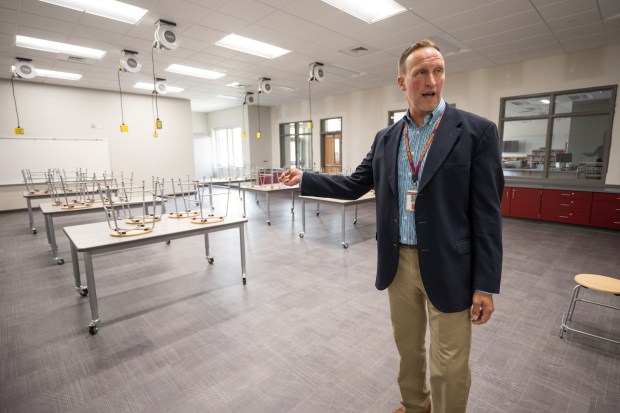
[(417, 140)]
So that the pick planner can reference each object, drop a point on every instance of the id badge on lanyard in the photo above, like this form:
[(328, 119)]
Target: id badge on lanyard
[(412, 194)]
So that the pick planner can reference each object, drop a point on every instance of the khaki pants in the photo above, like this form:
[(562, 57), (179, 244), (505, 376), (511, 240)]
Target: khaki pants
[(450, 333)]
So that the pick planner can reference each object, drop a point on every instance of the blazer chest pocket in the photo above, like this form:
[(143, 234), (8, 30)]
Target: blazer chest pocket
[(456, 166), (463, 247)]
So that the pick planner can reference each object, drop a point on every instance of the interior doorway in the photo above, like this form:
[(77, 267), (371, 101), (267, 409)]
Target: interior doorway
[(331, 145)]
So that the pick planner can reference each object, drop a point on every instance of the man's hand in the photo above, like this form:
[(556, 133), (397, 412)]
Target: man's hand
[(482, 308), (291, 177)]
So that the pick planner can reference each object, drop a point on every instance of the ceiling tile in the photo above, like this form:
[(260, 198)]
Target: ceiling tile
[(566, 8), (581, 19), (517, 20), (224, 23), (249, 10), (434, 11), (462, 20), (205, 34), (503, 8)]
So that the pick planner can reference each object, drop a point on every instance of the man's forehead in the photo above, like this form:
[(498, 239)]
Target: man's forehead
[(425, 56)]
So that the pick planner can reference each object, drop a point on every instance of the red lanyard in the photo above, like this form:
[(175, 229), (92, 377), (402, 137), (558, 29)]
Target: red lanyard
[(415, 169)]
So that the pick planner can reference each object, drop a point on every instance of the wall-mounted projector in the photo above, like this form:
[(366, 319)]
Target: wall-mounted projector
[(264, 85), (160, 86), (317, 72), (165, 35), (249, 98), (24, 69), (130, 62)]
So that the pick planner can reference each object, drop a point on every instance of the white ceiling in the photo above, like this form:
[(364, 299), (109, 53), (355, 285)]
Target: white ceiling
[(488, 32)]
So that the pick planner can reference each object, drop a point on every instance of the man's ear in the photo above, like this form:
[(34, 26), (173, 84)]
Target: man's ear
[(401, 82)]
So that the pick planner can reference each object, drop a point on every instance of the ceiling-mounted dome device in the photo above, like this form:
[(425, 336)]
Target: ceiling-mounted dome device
[(166, 35), (264, 85), (130, 62), (249, 98), (317, 72), (160, 86), (24, 69)]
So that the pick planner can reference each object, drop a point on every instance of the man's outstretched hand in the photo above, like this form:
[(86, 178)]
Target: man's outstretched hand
[(291, 177)]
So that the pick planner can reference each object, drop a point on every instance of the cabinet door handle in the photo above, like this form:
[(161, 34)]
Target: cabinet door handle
[(564, 204), (563, 216), (568, 194)]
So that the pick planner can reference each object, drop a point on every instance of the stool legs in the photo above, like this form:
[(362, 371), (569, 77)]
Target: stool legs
[(568, 316)]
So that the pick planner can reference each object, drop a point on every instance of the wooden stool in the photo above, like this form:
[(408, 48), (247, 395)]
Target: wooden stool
[(595, 282)]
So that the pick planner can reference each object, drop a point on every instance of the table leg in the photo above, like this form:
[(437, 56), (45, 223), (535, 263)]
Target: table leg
[(268, 209), (92, 296), (30, 217), (242, 249), (244, 196), (292, 202), (81, 289), (52, 239), (355, 219), (210, 259), (344, 244), (211, 197), (303, 218)]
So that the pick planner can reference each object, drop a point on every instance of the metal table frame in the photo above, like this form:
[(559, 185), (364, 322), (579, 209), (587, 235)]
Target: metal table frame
[(267, 189), (332, 201), (92, 239)]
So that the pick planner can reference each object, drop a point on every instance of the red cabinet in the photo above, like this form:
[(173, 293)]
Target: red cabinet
[(571, 207), (525, 203), (605, 210), (506, 201)]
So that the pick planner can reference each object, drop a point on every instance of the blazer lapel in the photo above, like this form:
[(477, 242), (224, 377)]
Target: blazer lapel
[(392, 142), (446, 136)]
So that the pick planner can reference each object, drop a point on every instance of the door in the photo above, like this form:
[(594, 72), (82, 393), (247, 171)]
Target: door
[(332, 150)]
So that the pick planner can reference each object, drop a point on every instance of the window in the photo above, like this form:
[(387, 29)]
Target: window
[(395, 115), (227, 150), (296, 145), (559, 135)]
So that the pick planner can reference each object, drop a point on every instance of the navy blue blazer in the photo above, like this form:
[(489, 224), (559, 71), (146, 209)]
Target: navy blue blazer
[(458, 214)]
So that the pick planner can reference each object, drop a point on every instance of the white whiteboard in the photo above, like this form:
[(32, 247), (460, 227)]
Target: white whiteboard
[(41, 154)]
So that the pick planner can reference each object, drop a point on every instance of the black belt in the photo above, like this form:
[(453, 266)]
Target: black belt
[(409, 246)]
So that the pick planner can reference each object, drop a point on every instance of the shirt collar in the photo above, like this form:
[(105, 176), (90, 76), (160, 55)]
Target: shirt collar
[(431, 117)]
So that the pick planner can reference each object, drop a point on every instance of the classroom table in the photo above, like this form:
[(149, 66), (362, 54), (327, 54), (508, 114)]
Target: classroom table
[(51, 210), (368, 197), (267, 189), (30, 195), (92, 239)]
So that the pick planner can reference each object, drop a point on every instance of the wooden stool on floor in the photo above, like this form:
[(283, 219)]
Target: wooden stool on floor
[(595, 282)]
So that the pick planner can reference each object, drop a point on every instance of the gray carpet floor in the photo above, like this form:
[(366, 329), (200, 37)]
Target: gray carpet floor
[(309, 333)]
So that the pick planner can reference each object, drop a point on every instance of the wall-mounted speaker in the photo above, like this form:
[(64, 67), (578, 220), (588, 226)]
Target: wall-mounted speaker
[(264, 85), (130, 62), (249, 98), (317, 72), (25, 70), (166, 35), (160, 86)]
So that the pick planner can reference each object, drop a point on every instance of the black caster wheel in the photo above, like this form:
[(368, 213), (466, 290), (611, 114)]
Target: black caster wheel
[(268, 222), (60, 261), (34, 231), (83, 291), (210, 260), (354, 221), (168, 242), (301, 235), (318, 213), (345, 245), (93, 330), (244, 281)]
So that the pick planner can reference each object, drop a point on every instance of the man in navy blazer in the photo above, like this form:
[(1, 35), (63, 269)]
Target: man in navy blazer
[(440, 249)]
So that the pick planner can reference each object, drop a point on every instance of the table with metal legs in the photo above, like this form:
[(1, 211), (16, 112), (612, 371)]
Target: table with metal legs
[(268, 189), (93, 239), (343, 203)]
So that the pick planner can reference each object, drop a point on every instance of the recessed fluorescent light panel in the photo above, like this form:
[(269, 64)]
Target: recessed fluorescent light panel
[(110, 9), (55, 74), (149, 86), (56, 47), (368, 11), (194, 71), (251, 46)]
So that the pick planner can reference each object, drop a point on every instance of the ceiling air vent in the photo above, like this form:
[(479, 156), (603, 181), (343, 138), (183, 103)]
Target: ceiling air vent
[(359, 50)]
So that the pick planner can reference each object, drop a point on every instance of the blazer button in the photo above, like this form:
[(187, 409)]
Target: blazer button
[(395, 245)]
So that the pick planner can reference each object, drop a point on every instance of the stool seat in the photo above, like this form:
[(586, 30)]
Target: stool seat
[(600, 283)]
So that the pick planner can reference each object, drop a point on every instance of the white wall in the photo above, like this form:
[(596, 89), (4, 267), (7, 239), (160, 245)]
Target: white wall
[(479, 91), (70, 112)]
